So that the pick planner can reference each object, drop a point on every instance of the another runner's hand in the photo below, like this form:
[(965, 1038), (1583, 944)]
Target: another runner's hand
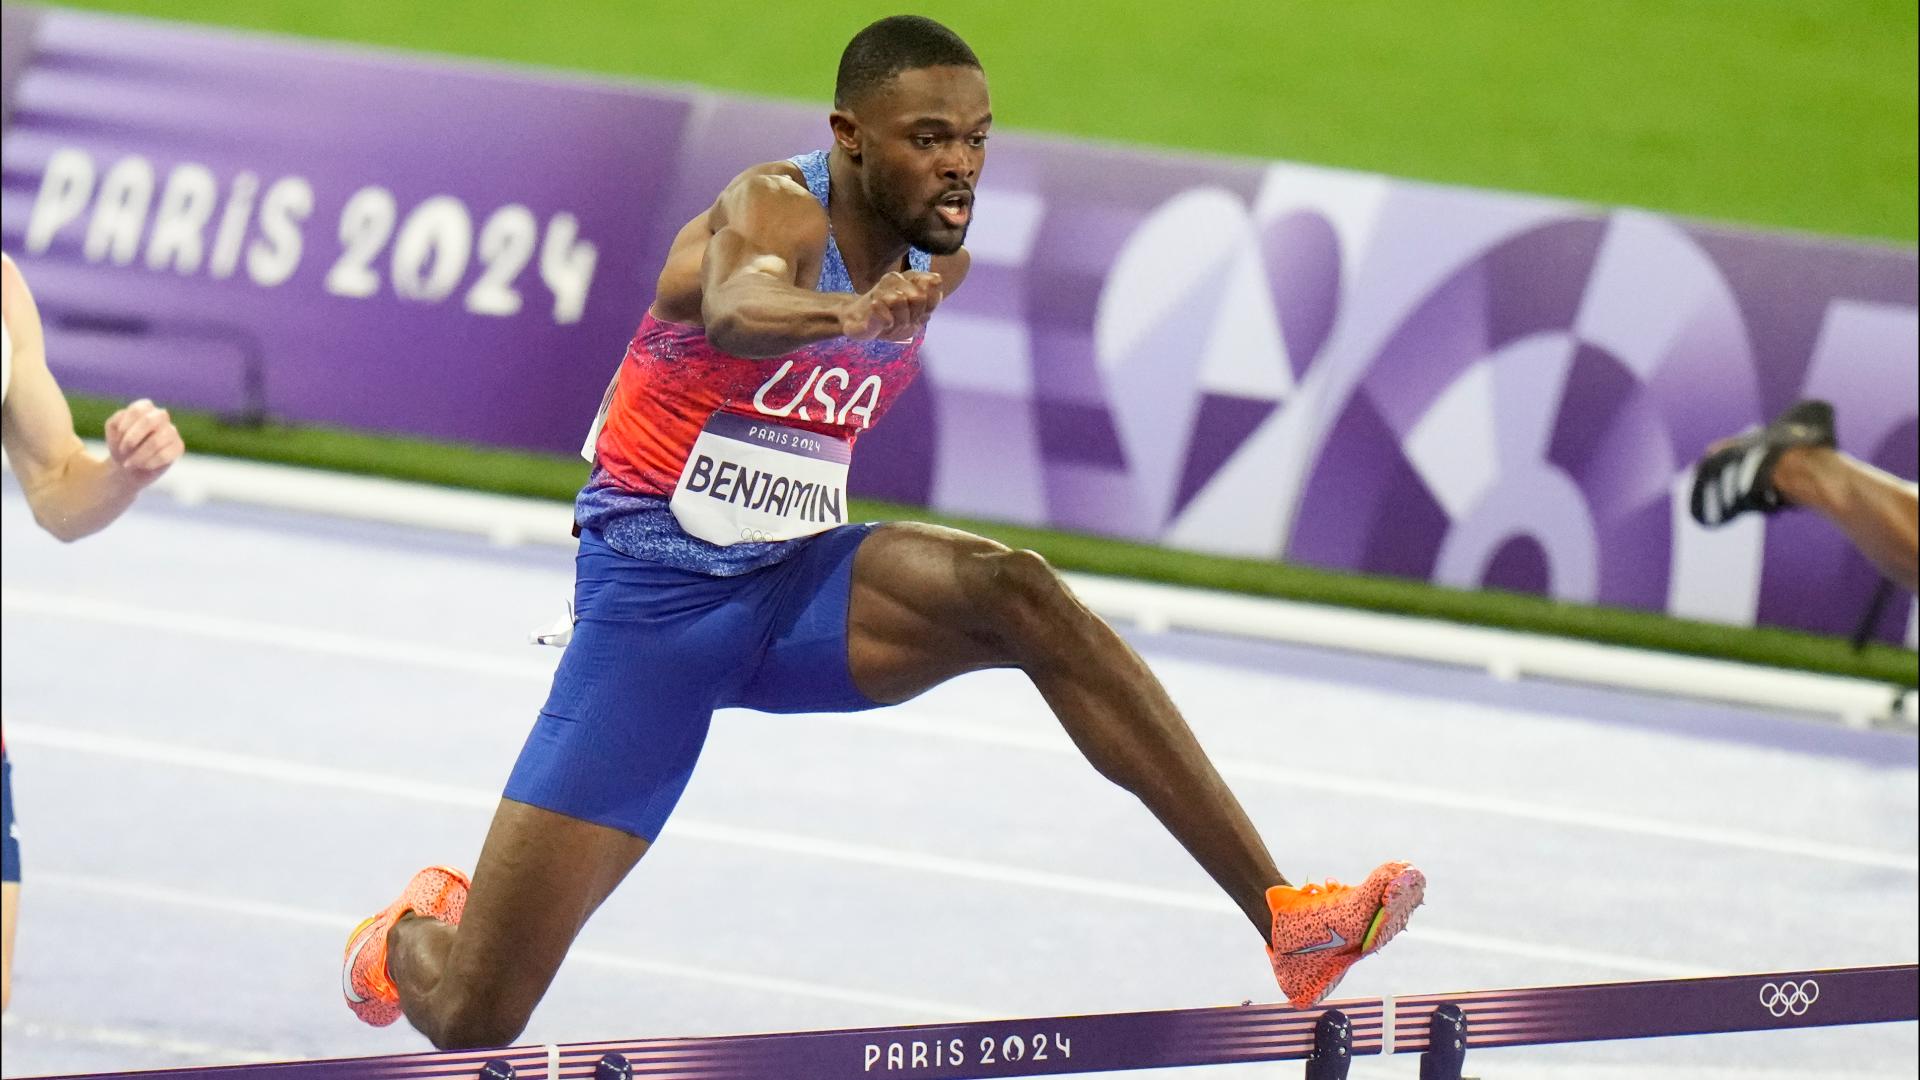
[(894, 308), (142, 440)]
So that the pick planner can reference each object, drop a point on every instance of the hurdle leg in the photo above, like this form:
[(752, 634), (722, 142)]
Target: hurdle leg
[(1332, 1047), (1446, 1052)]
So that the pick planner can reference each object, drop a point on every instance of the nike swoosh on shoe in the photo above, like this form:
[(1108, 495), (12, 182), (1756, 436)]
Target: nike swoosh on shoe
[(346, 973), (1334, 941)]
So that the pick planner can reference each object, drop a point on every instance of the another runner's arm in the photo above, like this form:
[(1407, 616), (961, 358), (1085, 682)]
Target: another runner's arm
[(72, 492), (752, 302)]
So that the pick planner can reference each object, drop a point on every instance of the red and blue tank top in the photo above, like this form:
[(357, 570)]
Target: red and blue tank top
[(673, 381)]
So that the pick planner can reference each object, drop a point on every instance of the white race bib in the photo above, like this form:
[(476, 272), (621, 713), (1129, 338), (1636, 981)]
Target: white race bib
[(749, 480)]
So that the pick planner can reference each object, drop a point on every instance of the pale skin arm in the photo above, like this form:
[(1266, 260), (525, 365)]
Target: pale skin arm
[(72, 492), (9, 915)]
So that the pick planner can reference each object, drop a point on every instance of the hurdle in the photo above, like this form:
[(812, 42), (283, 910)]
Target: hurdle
[(1440, 1028)]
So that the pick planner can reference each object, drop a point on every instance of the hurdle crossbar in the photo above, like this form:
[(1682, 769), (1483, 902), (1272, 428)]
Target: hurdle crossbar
[(1185, 1037)]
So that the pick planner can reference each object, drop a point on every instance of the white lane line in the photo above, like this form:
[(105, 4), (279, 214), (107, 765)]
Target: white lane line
[(150, 894), (897, 859), (249, 766), (191, 1051), (953, 727), (354, 646), (277, 771), (255, 632)]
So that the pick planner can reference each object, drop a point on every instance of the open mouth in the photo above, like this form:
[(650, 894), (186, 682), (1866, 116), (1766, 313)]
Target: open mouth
[(955, 208)]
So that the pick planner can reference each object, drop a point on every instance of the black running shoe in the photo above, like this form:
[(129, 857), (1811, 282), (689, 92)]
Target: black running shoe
[(1737, 476)]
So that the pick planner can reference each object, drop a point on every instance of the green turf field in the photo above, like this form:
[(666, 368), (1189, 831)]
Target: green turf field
[(1795, 113)]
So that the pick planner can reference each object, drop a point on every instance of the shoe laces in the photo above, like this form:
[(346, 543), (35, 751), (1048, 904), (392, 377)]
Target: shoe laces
[(1315, 888)]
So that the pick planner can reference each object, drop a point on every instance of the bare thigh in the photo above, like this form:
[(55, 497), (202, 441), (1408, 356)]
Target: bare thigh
[(914, 620)]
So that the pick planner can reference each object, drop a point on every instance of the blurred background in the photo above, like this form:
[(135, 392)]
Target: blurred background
[(1420, 310)]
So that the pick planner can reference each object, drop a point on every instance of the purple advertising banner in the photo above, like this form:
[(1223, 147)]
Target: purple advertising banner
[(350, 238), (1266, 360)]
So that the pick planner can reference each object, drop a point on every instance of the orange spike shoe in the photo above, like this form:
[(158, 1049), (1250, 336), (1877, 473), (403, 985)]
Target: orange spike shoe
[(1319, 931), (438, 892)]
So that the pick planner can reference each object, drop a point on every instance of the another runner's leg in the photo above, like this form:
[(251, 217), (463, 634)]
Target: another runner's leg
[(1878, 511), (930, 603), (540, 876)]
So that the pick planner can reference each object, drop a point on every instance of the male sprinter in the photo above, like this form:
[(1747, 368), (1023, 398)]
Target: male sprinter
[(1794, 461), (72, 494), (714, 570)]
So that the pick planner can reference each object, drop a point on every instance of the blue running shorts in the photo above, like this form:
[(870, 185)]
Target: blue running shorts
[(656, 650), (9, 842)]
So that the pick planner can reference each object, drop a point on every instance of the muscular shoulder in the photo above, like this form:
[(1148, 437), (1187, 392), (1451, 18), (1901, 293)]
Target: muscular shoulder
[(765, 209), (769, 198)]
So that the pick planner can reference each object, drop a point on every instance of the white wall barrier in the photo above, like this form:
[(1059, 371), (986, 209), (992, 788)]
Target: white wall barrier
[(1153, 607)]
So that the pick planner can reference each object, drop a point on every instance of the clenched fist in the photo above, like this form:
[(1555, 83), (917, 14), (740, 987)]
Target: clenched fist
[(895, 308), (142, 440)]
